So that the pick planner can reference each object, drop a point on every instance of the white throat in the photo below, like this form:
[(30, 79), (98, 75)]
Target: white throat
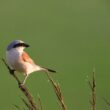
[(20, 49)]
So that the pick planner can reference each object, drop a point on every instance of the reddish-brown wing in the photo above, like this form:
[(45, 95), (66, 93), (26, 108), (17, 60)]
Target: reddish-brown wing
[(26, 58)]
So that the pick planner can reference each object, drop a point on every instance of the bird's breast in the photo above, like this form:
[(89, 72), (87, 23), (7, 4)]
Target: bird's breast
[(12, 58)]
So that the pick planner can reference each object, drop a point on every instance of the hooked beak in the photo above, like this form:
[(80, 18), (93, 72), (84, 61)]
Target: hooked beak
[(26, 45)]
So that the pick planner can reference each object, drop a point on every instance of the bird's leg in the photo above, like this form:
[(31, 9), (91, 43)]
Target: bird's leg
[(25, 79)]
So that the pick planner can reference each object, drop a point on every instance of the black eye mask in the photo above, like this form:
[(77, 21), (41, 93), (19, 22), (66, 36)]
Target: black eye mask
[(21, 45)]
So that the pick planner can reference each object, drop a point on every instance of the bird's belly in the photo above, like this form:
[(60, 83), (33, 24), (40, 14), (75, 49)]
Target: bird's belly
[(19, 67), (23, 67)]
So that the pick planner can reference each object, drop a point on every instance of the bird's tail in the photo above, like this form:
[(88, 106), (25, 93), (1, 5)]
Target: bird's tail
[(49, 70)]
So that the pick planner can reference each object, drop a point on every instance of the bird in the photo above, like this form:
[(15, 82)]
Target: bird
[(19, 60)]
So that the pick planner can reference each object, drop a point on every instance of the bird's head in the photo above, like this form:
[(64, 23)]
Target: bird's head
[(17, 44)]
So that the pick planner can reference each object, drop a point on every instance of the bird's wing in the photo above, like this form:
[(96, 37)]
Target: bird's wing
[(27, 58)]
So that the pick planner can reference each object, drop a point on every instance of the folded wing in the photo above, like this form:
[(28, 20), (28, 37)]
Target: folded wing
[(27, 58)]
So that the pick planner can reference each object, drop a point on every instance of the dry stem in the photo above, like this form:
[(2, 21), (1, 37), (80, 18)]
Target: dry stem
[(40, 103), (57, 92), (93, 89), (106, 101)]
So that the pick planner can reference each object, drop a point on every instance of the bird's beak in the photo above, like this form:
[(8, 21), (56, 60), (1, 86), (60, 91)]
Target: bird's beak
[(26, 45)]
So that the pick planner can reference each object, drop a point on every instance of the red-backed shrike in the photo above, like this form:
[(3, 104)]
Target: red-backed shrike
[(20, 61)]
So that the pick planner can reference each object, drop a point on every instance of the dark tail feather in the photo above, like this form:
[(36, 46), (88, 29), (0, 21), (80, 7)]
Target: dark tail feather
[(53, 71)]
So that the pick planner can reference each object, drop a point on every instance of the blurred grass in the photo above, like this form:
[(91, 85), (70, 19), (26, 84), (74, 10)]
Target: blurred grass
[(69, 36)]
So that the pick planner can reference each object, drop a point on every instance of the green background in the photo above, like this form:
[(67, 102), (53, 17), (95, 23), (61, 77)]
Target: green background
[(70, 36)]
